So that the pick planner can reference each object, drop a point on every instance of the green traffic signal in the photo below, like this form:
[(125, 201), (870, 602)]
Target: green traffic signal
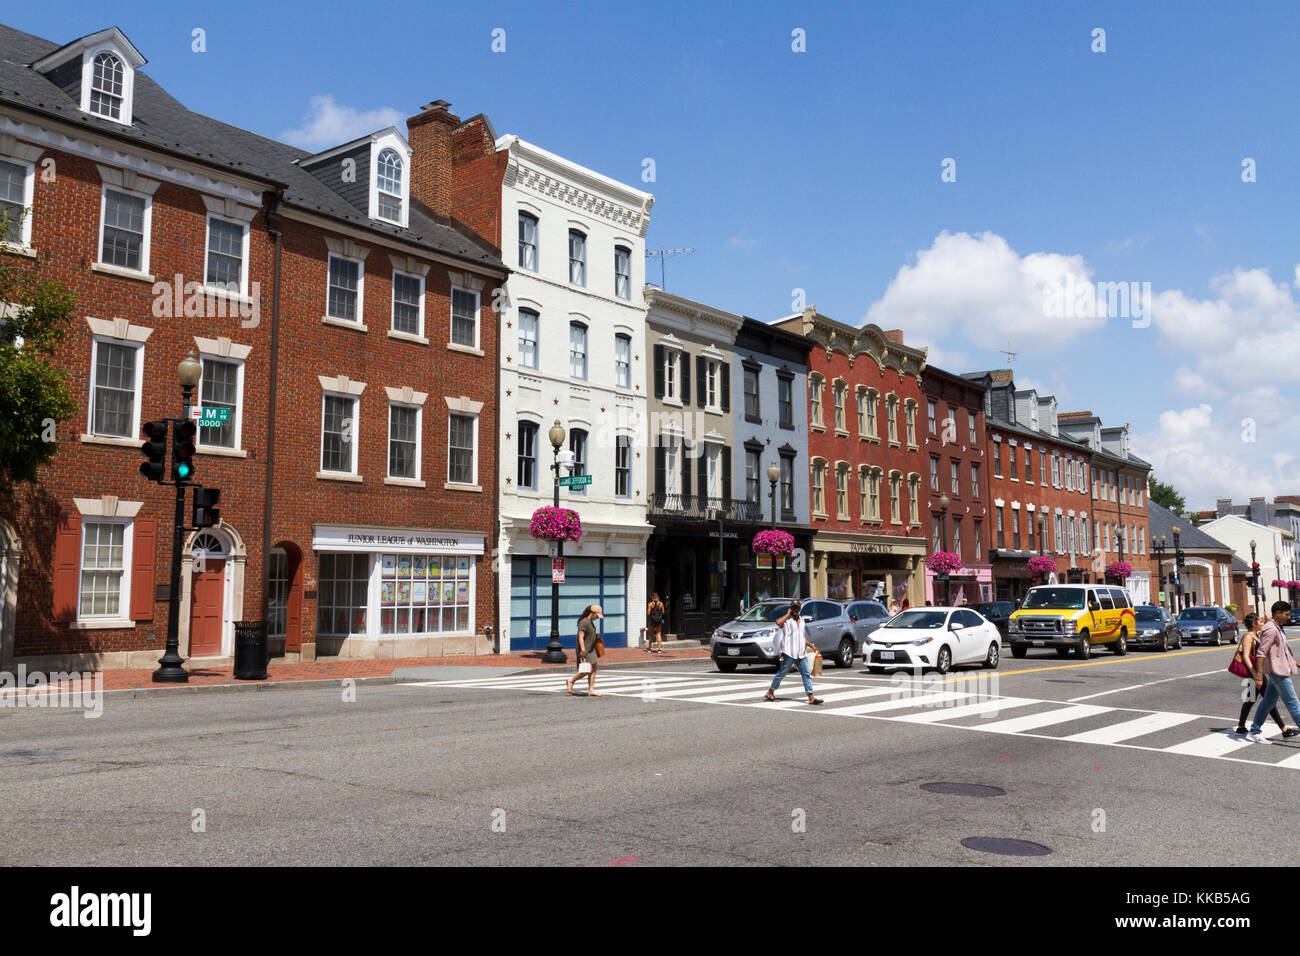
[(155, 449), (183, 450)]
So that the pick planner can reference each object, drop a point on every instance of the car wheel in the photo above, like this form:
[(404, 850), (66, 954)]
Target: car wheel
[(1121, 643), (1018, 652), (1178, 645), (943, 663), (844, 656), (1218, 637), (1164, 642), (726, 666), (991, 659), (1084, 650)]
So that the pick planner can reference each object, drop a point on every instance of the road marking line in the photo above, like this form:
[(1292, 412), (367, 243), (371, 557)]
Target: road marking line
[(723, 698), (1128, 729), (993, 704), (1163, 680), (910, 700), (847, 695), (1288, 762), (1211, 745), (1062, 715), (701, 687)]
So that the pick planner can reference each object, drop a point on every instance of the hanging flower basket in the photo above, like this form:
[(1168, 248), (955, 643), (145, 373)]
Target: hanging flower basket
[(1041, 564), (1291, 585), (1275, 583), (555, 524), (1119, 569), (773, 542), (944, 562)]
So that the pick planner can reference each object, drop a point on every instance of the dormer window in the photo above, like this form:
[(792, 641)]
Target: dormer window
[(389, 173), (106, 85)]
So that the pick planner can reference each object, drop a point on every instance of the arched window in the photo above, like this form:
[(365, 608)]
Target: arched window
[(106, 86), (388, 175)]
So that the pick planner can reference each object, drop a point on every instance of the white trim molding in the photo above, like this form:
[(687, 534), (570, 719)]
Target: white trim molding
[(118, 328), (341, 385)]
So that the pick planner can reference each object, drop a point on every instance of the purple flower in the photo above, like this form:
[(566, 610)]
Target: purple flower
[(773, 542), (555, 524)]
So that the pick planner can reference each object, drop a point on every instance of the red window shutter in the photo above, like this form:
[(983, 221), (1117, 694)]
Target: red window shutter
[(67, 567), (143, 550)]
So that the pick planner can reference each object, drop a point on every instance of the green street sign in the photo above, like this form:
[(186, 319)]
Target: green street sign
[(213, 417), (575, 481)]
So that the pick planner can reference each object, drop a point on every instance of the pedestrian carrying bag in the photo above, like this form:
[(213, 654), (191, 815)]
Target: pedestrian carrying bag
[(1238, 667)]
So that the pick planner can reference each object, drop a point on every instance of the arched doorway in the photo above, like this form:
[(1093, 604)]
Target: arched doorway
[(212, 591), (284, 600)]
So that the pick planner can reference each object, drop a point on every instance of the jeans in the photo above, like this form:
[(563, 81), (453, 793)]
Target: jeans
[(1279, 686), (788, 662)]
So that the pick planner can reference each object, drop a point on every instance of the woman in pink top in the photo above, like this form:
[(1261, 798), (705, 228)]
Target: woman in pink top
[(1275, 660)]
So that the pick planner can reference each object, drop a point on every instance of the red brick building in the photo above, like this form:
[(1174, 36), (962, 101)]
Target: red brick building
[(340, 305), (1038, 491), (865, 460), (956, 485)]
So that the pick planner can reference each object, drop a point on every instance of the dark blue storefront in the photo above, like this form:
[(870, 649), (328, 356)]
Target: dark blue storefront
[(587, 581)]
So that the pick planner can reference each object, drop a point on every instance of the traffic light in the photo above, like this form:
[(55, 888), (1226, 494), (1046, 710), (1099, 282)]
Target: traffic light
[(155, 449), (206, 513), (183, 450), (1180, 562)]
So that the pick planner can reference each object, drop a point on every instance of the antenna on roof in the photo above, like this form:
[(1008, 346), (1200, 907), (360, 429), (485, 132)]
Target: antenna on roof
[(662, 253), (1010, 354)]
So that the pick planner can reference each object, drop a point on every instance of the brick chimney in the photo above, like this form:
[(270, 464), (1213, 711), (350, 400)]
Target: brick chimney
[(1067, 416), (1222, 507), (894, 335), (1287, 500), (1258, 511), (430, 132), (1000, 375)]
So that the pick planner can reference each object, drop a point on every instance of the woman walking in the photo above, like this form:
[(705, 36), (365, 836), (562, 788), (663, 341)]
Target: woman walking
[(793, 645), (654, 616), (1246, 654), (588, 637)]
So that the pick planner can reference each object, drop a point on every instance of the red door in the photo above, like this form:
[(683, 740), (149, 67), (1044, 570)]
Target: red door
[(205, 609)]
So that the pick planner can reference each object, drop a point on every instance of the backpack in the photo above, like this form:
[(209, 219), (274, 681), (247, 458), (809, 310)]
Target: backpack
[(656, 613)]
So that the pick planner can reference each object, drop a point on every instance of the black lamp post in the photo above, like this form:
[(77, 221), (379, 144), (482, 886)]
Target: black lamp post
[(1254, 576), (170, 669), (1178, 568), (1042, 537), (555, 650), (1158, 549), (773, 476), (944, 502)]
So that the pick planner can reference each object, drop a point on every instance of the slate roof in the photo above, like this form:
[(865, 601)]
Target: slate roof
[(1162, 520), (161, 123)]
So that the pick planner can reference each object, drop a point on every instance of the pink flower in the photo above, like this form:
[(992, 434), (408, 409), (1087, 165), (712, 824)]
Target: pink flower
[(1041, 564), (944, 562), (555, 524), (773, 542)]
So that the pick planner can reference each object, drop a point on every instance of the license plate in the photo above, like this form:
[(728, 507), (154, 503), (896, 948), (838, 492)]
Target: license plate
[(1040, 643), (733, 650), (886, 655)]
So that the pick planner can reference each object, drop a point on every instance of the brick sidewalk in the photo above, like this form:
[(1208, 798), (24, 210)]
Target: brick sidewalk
[(384, 667)]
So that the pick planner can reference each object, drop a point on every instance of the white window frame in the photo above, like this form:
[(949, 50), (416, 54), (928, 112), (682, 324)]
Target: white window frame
[(360, 319), (419, 332), (24, 237), (618, 275), (521, 215), (243, 263), (712, 385), (623, 337), (389, 139), (419, 442), (403, 171), (124, 596), (569, 259), (713, 472), (671, 445), (586, 352), (673, 382), (474, 457), (520, 426), (144, 241), (478, 303), (128, 83), (629, 439), (239, 405), (842, 490), (356, 431), (537, 336), (96, 341)]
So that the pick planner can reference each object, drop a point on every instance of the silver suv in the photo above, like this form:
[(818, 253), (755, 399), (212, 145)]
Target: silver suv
[(751, 638)]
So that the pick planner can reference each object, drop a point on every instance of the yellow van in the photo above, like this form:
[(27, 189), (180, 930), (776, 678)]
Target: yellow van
[(1073, 617)]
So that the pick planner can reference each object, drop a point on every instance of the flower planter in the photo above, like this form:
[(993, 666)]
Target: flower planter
[(555, 524)]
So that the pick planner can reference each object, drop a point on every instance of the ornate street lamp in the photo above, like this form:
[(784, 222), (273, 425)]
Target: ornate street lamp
[(773, 476), (1158, 549), (944, 502), (170, 669), (554, 649), (1254, 575), (1178, 567)]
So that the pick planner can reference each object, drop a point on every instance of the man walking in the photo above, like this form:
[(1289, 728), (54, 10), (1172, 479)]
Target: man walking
[(792, 643), (1277, 664)]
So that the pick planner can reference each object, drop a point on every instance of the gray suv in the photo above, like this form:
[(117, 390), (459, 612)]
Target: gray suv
[(751, 638), (866, 617)]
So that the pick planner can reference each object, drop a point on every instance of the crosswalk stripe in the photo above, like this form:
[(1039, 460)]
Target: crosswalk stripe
[(1289, 762), (993, 704), (758, 689), (834, 699), (619, 688), (907, 700), (1211, 745), (1060, 715), (711, 687), (1128, 729)]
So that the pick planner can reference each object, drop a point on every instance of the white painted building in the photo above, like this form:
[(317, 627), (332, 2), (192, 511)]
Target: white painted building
[(572, 350), (1273, 550)]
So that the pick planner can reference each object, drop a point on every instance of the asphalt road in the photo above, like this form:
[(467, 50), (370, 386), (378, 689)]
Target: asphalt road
[(455, 773)]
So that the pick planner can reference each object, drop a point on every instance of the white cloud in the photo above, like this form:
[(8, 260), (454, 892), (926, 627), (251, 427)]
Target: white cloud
[(327, 123), (943, 358), (1195, 384), (981, 288), (1129, 242)]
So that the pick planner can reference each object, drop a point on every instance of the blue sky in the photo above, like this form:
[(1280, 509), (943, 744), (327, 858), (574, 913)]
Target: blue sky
[(820, 170)]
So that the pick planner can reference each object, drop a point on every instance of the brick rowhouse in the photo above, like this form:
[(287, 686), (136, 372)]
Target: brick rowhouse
[(372, 453)]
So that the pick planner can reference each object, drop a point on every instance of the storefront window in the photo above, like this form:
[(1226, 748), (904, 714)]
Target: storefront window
[(839, 583), (341, 605), (424, 593), (278, 595)]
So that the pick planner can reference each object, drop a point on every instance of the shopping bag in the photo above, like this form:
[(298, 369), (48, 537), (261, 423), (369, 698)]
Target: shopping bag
[(817, 664)]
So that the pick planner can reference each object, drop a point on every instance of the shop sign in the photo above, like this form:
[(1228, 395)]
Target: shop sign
[(346, 538)]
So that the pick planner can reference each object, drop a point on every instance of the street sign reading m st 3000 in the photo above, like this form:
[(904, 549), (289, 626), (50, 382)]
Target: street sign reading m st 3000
[(210, 417)]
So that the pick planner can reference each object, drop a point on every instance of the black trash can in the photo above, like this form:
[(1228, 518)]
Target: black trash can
[(250, 650)]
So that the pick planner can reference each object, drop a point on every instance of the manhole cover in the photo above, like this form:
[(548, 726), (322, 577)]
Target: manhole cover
[(21, 752), (965, 789), (1005, 847)]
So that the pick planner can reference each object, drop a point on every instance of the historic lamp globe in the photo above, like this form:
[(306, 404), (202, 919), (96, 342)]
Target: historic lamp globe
[(556, 434), (773, 473), (189, 371)]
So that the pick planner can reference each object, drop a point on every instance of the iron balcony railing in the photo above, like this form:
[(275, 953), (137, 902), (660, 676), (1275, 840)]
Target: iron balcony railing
[(704, 507)]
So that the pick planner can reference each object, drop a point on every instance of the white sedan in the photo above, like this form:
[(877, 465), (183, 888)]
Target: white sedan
[(933, 637)]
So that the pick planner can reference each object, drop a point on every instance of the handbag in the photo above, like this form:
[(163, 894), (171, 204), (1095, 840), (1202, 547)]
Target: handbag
[(817, 664), (584, 668), (600, 647), (1238, 666)]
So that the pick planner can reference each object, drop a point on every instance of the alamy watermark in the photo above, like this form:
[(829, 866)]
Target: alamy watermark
[(1081, 299), (68, 689)]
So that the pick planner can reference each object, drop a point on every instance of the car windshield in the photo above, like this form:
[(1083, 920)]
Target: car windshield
[(1147, 614), (1197, 614), (764, 612), (987, 609), (919, 619), (1070, 599)]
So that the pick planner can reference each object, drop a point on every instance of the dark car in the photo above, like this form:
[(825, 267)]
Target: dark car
[(1209, 623), (1155, 627), (997, 613)]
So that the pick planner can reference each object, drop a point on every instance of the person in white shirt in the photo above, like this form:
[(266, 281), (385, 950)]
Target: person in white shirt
[(792, 643)]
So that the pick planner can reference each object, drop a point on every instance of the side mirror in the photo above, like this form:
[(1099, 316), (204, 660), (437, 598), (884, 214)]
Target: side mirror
[(955, 626)]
